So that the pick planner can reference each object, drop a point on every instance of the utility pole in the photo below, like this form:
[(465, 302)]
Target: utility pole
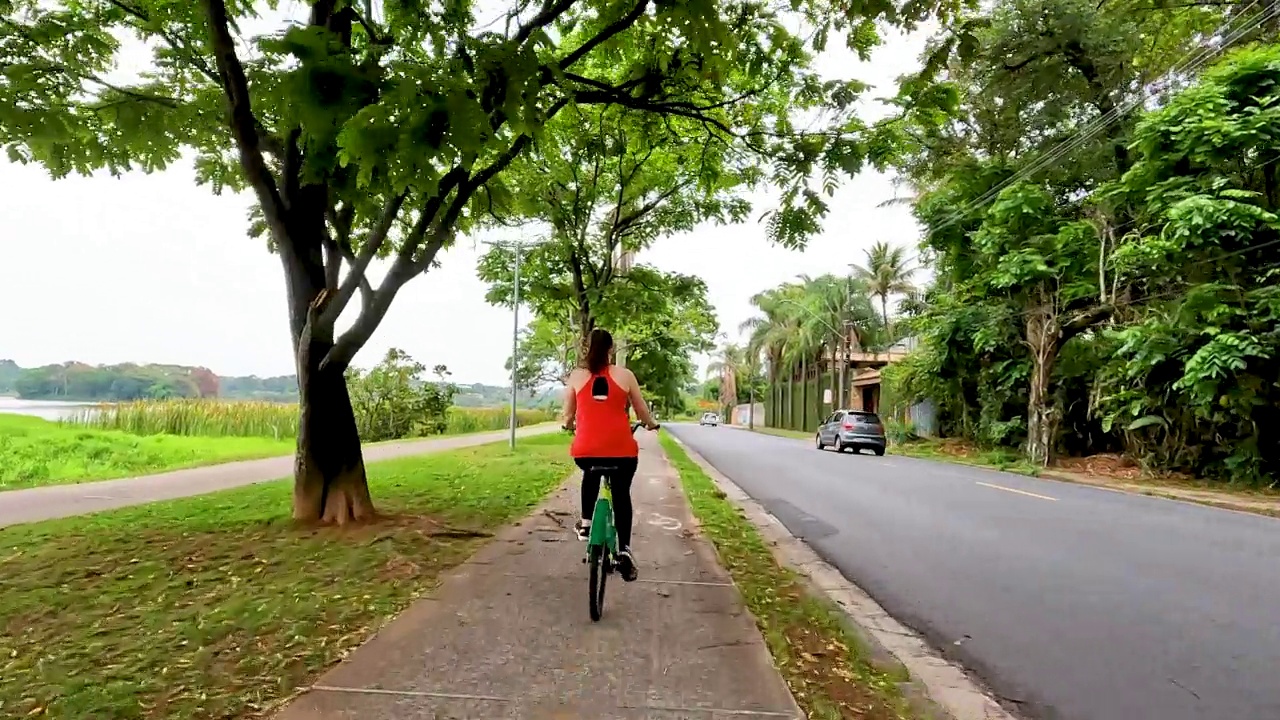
[(518, 247), (515, 341)]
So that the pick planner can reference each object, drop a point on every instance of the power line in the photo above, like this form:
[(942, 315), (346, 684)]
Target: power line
[(1011, 314), (1189, 63)]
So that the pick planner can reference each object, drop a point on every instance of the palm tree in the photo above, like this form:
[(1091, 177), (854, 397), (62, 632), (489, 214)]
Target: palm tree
[(728, 360), (838, 316), (773, 332), (775, 335), (888, 272)]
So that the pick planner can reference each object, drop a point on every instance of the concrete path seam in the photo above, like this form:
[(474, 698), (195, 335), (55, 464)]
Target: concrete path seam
[(946, 684), (495, 698)]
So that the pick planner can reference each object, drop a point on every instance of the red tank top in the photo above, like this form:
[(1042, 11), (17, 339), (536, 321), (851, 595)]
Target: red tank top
[(603, 427)]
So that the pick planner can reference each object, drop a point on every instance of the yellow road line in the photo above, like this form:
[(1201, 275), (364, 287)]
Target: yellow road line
[(1020, 492)]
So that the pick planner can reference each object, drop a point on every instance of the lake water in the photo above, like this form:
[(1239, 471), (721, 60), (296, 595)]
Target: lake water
[(47, 409)]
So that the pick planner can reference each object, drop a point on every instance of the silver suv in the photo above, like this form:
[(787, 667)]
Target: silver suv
[(711, 419)]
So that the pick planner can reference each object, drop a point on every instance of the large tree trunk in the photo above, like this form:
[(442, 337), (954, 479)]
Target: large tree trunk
[(330, 485), (1043, 337)]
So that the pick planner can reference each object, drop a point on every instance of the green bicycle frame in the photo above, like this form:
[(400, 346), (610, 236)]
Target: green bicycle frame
[(603, 533)]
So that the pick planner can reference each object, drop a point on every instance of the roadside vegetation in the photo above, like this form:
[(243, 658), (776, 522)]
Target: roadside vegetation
[(211, 418), (1123, 301), (392, 401), (36, 452), (220, 605), (828, 672)]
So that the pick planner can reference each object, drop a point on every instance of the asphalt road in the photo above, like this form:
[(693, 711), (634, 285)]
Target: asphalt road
[(1069, 602)]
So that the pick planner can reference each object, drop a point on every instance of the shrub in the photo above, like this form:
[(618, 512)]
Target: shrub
[(899, 432), (392, 400)]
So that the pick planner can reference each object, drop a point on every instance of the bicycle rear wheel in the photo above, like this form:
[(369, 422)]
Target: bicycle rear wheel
[(598, 560)]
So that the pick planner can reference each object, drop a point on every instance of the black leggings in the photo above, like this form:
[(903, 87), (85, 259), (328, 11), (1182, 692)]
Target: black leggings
[(620, 471)]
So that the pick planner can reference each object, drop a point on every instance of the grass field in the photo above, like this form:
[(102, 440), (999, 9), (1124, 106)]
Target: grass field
[(822, 663), (38, 452), (213, 418), (218, 606)]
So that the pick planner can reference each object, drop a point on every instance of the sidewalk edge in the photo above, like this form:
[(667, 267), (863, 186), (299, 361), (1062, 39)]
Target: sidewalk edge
[(946, 686), (708, 546)]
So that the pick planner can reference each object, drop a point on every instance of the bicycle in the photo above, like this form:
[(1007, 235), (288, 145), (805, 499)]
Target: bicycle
[(602, 542)]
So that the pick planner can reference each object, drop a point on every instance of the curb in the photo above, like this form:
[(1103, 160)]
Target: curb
[(946, 686)]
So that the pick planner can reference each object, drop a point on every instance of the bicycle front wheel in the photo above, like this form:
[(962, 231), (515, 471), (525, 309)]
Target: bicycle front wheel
[(598, 561)]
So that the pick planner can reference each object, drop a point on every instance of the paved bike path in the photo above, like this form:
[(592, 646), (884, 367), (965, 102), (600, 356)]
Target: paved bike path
[(507, 634), (56, 501)]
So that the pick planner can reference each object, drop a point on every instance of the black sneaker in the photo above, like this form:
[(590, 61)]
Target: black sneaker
[(627, 565), (583, 528)]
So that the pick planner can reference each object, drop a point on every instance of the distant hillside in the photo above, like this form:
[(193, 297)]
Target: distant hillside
[(481, 395), (128, 381), (9, 372)]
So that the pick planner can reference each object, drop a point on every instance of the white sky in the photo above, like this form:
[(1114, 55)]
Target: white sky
[(157, 269)]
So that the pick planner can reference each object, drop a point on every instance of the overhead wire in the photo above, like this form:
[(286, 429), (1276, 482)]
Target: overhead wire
[(1190, 63)]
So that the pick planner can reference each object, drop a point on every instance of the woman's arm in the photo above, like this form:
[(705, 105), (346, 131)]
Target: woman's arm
[(637, 402), (569, 416)]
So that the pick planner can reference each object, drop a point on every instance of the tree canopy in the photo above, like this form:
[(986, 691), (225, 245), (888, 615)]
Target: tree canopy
[(1099, 242), (386, 129)]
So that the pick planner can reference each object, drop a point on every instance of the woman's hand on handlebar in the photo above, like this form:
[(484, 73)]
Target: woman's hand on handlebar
[(653, 426)]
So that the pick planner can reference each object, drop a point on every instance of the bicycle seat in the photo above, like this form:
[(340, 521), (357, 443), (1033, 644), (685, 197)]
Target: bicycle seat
[(604, 466)]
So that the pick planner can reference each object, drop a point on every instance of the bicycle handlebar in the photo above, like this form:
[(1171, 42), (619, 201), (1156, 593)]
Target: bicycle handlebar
[(634, 426)]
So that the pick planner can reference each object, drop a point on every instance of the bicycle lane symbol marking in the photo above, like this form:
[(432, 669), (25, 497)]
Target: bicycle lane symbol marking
[(669, 524)]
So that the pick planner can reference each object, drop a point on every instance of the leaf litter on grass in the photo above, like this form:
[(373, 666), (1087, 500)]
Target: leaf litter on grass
[(220, 606)]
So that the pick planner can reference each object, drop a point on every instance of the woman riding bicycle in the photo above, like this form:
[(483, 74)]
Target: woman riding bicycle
[(595, 407)]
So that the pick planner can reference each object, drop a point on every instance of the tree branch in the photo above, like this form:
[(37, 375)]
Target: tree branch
[(244, 125), (360, 264), (547, 15), (611, 96), (1084, 320), (366, 290), (406, 266), (613, 28)]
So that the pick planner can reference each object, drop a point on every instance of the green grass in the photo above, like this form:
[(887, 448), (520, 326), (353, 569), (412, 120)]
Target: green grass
[(943, 451), (219, 606), (38, 452), (829, 675)]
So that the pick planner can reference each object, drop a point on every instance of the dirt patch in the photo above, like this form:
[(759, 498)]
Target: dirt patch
[(956, 448), (1105, 465)]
